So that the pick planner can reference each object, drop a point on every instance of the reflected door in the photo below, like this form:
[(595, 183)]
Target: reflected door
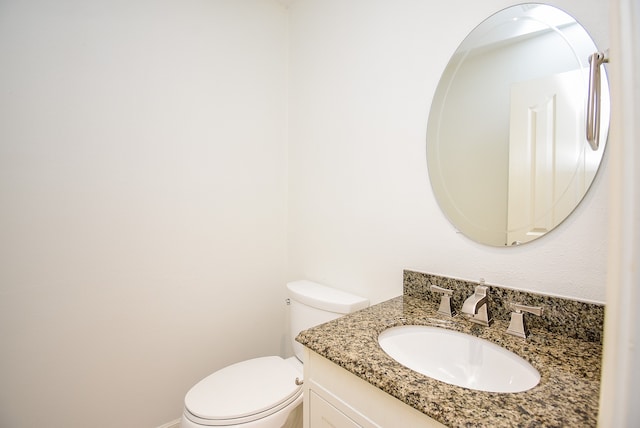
[(545, 139)]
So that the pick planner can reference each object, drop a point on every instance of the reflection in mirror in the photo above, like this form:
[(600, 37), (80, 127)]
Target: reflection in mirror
[(506, 147)]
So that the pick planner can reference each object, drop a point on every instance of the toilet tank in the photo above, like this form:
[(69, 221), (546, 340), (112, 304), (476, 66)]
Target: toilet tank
[(312, 304)]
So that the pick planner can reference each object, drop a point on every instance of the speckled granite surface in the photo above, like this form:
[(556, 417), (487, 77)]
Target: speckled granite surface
[(567, 395), (570, 318)]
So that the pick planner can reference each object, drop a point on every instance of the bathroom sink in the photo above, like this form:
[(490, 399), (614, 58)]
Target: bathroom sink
[(459, 359)]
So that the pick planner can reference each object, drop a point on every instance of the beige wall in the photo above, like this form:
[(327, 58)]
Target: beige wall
[(142, 195)]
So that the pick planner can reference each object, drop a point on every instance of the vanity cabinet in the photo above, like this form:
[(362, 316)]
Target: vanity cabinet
[(335, 398)]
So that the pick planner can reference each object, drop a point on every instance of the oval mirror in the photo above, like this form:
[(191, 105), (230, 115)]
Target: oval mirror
[(507, 153)]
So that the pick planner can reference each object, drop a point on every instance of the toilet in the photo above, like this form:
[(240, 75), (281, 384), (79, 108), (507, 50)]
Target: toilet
[(266, 392)]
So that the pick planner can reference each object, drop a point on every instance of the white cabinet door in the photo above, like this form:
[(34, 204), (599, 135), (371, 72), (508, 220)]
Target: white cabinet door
[(335, 398), (324, 415)]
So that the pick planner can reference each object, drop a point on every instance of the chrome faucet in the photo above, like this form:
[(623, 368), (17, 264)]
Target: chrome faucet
[(477, 306)]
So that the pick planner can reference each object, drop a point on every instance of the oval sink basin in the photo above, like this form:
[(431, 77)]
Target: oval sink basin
[(458, 359)]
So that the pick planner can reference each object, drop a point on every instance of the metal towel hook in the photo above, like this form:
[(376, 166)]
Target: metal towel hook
[(593, 102)]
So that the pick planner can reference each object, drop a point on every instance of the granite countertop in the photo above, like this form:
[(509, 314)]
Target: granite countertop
[(567, 395)]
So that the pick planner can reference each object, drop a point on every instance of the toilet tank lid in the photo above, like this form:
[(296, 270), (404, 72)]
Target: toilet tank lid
[(325, 298)]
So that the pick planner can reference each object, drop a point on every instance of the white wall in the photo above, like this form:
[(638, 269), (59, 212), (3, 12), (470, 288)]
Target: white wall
[(142, 195), (621, 359), (143, 187), (363, 73)]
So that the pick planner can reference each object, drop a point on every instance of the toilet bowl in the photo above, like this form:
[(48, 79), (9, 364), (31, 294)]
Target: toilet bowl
[(266, 392), (257, 393)]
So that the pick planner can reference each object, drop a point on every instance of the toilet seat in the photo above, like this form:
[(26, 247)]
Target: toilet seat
[(243, 392)]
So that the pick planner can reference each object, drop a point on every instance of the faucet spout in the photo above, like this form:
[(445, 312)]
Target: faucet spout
[(473, 304), (477, 306)]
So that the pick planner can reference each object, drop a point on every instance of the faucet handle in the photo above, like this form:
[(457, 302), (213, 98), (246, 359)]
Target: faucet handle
[(517, 326), (535, 310), (445, 302)]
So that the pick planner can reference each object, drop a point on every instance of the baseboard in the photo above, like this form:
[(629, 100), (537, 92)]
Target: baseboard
[(172, 424)]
